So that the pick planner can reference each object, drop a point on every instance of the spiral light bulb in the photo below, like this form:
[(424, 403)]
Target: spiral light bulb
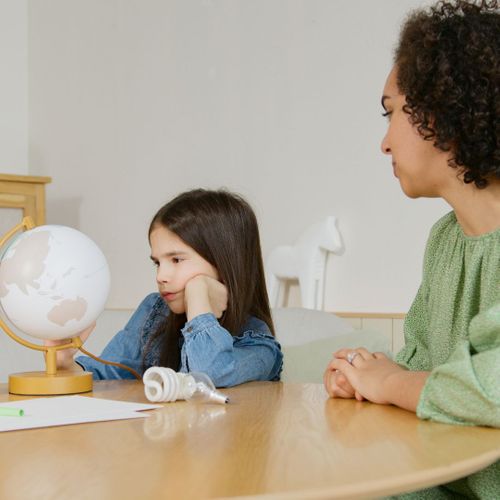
[(164, 384)]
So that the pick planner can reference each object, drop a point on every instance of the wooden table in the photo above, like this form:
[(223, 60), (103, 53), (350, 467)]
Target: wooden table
[(274, 440)]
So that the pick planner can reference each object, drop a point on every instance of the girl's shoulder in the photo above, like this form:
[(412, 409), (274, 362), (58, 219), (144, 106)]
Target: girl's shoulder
[(153, 300), (149, 313), (153, 303), (255, 327)]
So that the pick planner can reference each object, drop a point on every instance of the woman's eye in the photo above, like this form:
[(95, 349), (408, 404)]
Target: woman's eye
[(156, 264), (176, 260), (387, 114)]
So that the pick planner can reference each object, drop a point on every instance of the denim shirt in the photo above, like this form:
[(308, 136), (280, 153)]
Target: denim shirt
[(254, 354)]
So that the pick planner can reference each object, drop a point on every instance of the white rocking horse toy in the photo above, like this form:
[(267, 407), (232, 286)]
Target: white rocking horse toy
[(305, 261)]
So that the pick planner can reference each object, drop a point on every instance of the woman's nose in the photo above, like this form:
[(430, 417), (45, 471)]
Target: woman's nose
[(384, 146)]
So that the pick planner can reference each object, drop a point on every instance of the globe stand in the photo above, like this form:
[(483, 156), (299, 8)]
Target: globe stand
[(51, 381), (41, 384)]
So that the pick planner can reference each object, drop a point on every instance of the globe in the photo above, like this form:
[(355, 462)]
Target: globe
[(54, 282)]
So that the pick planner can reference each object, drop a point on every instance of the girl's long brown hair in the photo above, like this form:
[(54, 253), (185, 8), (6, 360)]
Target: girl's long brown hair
[(222, 228)]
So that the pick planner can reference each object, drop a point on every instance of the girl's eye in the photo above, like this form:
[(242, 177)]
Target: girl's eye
[(176, 260), (155, 263), (387, 114)]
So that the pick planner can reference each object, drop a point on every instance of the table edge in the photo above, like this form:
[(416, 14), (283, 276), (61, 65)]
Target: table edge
[(412, 481)]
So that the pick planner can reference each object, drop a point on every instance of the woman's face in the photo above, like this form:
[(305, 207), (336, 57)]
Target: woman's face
[(176, 263), (422, 169)]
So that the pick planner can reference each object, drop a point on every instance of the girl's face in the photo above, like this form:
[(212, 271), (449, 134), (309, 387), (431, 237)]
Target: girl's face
[(422, 169), (176, 263)]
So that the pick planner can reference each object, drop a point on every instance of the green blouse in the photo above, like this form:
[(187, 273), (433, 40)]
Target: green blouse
[(453, 331)]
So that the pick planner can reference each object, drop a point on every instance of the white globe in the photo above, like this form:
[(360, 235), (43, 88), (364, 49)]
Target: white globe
[(54, 282)]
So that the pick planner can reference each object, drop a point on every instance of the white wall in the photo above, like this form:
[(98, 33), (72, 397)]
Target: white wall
[(133, 101), (13, 87)]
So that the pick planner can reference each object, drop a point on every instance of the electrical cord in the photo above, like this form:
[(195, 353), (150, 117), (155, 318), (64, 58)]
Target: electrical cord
[(112, 363)]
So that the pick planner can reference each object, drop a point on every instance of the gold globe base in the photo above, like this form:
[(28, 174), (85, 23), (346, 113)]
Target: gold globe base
[(41, 384)]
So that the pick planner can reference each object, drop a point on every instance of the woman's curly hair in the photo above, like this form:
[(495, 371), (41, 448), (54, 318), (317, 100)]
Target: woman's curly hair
[(448, 64)]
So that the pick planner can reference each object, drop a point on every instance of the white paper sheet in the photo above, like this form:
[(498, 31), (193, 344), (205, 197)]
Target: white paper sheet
[(66, 410)]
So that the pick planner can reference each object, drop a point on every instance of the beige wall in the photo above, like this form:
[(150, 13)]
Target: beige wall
[(134, 101), (13, 87)]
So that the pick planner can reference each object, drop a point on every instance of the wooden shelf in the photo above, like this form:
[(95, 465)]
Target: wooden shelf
[(371, 315), (26, 192)]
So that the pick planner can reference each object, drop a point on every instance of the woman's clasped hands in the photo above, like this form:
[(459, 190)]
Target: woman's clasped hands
[(358, 373)]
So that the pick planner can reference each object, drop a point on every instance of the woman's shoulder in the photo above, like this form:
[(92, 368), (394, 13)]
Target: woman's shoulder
[(446, 231), (444, 225), (443, 237), (448, 226)]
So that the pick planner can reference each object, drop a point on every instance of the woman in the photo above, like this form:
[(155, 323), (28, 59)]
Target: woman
[(442, 99)]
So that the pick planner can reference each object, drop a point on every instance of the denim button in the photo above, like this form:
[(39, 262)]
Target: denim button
[(190, 329)]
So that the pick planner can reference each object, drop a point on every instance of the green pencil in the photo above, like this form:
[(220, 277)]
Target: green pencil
[(11, 412)]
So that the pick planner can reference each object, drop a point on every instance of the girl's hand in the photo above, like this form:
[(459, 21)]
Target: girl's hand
[(64, 357), (203, 294)]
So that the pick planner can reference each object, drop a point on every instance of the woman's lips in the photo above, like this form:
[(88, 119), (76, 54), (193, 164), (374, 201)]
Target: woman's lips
[(169, 296)]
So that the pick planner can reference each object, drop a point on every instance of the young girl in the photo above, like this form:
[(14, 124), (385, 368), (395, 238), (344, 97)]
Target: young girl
[(442, 99), (212, 313)]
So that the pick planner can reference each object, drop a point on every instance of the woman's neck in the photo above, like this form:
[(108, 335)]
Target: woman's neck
[(477, 210)]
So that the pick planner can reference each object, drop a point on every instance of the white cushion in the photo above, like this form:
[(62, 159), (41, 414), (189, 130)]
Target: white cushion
[(309, 337), (295, 326)]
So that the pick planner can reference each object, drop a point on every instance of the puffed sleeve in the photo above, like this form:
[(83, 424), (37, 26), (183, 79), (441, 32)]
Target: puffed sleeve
[(230, 360), (415, 354), (466, 389)]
